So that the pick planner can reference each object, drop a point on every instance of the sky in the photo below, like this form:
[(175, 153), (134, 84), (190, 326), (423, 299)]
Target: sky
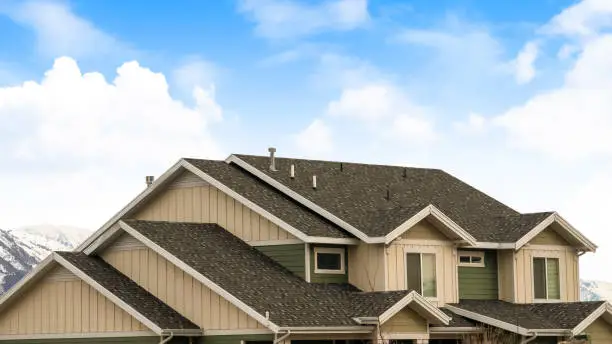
[(513, 97)]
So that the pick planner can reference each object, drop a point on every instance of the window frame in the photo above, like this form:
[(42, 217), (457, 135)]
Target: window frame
[(421, 253), (332, 250), (480, 254), (547, 299)]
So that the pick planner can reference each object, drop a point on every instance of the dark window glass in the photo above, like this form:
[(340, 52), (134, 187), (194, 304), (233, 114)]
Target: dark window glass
[(476, 260), (539, 278), (329, 261), (464, 259), (413, 272)]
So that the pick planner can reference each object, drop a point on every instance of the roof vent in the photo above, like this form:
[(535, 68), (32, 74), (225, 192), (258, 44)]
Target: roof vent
[(314, 182), (405, 172), (272, 150), (388, 197), (292, 171), (149, 180)]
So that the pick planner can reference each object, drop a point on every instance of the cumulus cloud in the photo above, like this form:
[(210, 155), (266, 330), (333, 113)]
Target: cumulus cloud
[(316, 139), (81, 128), (474, 124), (524, 63), (582, 19), (287, 18)]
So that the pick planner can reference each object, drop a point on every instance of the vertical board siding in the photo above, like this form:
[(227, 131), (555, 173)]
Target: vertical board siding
[(206, 204), (328, 278), (62, 303), (505, 263), (424, 230), (97, 340), (549, 237), (178, 289), (600, 332), (405, 321), (367, 262), (292, 257), (568, 272), (480, 283)]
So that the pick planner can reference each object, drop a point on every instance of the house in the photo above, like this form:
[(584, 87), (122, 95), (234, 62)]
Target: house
[(260, 249)]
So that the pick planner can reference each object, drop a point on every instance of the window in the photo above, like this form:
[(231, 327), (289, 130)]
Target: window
[(421, 273), (546, 284), (471, 259), (329, 260)]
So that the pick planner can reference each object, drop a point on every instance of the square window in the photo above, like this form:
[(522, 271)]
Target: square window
[(329, 260)]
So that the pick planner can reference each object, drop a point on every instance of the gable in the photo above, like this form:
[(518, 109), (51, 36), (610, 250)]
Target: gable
[(187, 200), (61, 303), (424, 230), (179, 290), (549, 237), (599, 332), (405, 321)]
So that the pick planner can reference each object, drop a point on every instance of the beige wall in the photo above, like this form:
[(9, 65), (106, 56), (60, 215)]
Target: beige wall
[(600, 332), (190, 199), (505, 273), (367, 266), (568, 271), (405, 321), (62, 303), (549, 237), (424, 238), (176, 288)]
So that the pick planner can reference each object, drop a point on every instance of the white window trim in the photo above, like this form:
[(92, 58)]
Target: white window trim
[(430, 298), (336, 250), (479, 254), (547, 299)]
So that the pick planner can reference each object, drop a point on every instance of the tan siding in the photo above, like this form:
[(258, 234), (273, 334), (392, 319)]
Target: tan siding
[(600, 332), (206, 204), (367, 266), (59, 305), (505, 265), (424, 230), (405, 321), (178, 289), (568, 272), (549, 237), (446, 266)]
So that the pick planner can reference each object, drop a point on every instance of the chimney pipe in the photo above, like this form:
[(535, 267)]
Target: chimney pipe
[(292, 173), (314, 182), (149, 180), (272, 150)]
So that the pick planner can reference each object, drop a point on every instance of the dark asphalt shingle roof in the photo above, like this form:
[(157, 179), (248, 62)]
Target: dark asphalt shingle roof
[(270, 199), (128, 291), (256, 279), (357, 194), (456, 320), (534, 315)]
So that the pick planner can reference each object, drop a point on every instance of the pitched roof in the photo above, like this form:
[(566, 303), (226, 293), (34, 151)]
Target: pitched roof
[(532, 316), (356, 193), (128, 291), (257, 280), (270, 199), (456, 320)]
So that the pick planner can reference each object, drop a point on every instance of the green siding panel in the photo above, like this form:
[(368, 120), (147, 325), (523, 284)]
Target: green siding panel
[(480, 283), (328, 278), (235, 339), (291, 256)]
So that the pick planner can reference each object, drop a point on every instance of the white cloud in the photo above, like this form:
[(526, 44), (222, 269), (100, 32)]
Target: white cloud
[(287, 18), (195, 72), (59, 31), (475, 124), (524, 63), (316, 139), (585, 18), (78, 127), (575, 120)]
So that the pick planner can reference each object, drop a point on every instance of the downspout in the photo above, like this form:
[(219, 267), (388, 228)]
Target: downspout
[(164, 341), (530, 339)]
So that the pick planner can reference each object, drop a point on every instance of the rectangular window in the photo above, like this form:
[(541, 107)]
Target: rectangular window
[(421, 273), (546, 284), (471, 259), (329, 260)]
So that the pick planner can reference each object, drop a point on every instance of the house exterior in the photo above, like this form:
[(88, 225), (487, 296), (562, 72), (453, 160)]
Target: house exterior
[(259, 249)]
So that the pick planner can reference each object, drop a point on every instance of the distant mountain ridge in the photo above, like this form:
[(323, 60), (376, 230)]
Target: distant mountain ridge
[(595, 290), (21, 249)]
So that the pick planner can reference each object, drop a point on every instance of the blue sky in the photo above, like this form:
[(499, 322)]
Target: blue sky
[(514, 97)]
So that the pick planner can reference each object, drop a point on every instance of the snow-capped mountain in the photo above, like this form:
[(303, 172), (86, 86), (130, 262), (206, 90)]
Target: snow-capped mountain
[(21, 249), (595, 290)]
